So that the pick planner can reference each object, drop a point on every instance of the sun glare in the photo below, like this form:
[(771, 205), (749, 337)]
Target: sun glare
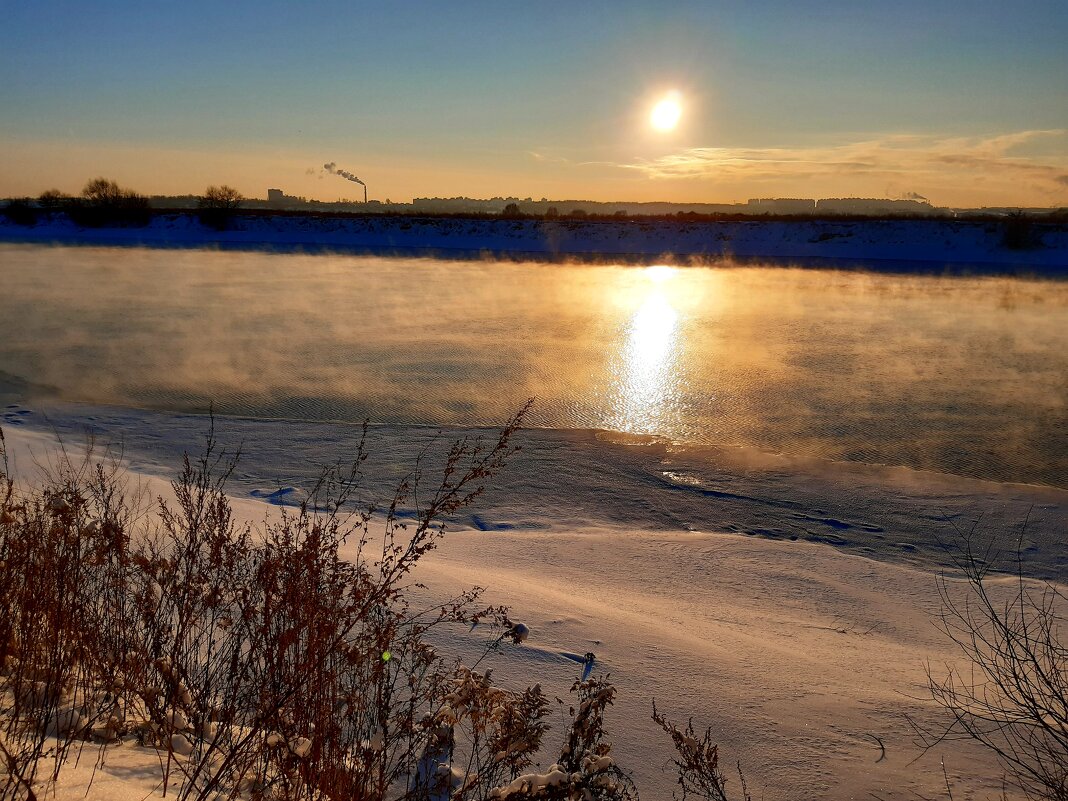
[(659, 273), (666, 112)]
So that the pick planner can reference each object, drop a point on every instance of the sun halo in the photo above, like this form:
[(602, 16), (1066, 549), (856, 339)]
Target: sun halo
[(666, 113)]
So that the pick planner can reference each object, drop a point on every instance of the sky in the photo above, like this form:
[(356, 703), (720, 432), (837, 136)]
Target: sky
[(964, 103)]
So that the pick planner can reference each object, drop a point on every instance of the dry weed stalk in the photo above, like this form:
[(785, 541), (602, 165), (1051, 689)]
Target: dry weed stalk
[(697, 762), (286, 663), (1012, 696)]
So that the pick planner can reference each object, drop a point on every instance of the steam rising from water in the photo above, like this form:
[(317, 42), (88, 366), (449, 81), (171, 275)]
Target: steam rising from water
[(958, 375)]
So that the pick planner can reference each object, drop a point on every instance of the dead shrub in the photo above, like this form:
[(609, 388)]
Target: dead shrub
[(1012, 695), (282, 663)]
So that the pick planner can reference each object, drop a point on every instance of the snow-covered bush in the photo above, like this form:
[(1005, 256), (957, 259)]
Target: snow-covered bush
[(697, 762), (259, 660), (585, 768), (280, 663), (61, 571), (1012, 695)]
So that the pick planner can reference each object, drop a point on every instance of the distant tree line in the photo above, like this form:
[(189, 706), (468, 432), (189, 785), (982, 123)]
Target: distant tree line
[(104, 203)]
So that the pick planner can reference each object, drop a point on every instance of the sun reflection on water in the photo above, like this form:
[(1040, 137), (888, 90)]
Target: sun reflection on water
[(647, 381)]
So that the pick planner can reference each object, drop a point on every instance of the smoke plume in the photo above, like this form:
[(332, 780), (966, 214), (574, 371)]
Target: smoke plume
[(331, 167)]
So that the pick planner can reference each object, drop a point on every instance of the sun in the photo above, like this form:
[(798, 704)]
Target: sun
[(666, 113)]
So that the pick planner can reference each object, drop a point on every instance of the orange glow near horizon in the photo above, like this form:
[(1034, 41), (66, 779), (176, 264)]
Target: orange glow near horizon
[(1018, 169)]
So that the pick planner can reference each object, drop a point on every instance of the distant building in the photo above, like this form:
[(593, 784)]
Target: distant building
[(276, 197), (781, 205), (865, 205), (495, 205)]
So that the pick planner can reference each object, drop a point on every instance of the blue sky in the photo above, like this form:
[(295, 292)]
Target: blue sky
[(962, 102)]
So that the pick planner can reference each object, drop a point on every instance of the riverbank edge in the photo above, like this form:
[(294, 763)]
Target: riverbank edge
[(890, 245)]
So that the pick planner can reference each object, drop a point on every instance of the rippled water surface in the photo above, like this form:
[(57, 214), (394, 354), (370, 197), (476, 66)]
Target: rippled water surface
[(960, 375)]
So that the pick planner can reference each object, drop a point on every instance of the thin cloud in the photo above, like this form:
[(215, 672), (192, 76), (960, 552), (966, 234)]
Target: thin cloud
[(897, 156), (547, 158)]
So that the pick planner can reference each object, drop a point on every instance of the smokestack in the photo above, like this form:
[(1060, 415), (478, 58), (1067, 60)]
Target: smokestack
[(331, 167)]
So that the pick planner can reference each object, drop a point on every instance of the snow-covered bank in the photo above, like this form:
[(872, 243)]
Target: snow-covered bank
[(804, 659), (567, 479), (928, 245)]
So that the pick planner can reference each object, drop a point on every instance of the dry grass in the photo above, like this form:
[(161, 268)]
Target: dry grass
[(262, 664), (1012, 694)]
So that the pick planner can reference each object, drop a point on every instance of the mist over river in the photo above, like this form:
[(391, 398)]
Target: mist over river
[(966, 376)]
